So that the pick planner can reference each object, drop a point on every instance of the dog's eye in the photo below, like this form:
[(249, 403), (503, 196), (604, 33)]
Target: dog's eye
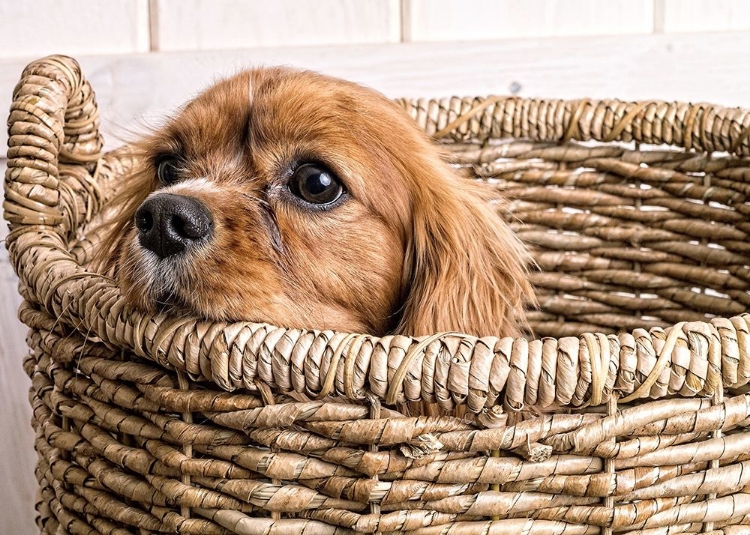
[(315, 184), (166, 171)]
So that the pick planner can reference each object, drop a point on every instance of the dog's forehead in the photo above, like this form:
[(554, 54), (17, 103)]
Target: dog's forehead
[(214, 119), (271, 102), (266, 119), (305, 95)]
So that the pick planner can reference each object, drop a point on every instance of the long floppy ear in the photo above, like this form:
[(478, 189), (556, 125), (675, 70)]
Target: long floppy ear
[(465, 269)]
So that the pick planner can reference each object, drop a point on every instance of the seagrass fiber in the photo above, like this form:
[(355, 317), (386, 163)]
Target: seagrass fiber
[(624, 410)]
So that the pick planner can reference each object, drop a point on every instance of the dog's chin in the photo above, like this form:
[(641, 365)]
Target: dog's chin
[(152, 301), (170, 302), (152, 287)]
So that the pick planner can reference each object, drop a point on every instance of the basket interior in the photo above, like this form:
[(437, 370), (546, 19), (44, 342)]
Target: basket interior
[(625, 235)]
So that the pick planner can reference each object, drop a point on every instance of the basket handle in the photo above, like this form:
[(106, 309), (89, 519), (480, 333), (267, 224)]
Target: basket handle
[(53, 119)]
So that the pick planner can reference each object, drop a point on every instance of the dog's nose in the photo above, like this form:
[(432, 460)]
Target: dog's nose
[(167, 224)]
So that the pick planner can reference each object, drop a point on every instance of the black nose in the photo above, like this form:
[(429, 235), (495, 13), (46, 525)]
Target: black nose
[(167, 224)]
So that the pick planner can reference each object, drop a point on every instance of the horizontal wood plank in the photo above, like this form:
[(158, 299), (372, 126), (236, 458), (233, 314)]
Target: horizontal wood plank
[(224, 24), (462, 20), (705, 15), (41, 27), (135, 91)]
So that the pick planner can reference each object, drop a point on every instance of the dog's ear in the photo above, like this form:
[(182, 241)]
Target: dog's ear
[(465, 269)]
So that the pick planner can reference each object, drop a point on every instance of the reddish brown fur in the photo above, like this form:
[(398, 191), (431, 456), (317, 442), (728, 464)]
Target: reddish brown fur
[(414, 249)]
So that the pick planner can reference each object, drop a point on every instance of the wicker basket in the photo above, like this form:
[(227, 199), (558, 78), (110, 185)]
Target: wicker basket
[(588, 430)]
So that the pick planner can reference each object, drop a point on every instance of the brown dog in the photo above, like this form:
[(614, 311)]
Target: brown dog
[(299, 200)]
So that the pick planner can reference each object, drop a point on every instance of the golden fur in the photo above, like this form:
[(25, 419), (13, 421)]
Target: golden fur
[(413, 249)]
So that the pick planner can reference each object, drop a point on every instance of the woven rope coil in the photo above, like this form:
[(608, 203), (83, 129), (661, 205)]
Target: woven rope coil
[(629, 414)]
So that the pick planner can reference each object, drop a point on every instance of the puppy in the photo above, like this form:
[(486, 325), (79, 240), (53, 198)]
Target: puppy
[(304, 201)]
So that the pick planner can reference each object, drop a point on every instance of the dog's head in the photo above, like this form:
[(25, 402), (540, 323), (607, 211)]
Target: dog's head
[(300, 200)]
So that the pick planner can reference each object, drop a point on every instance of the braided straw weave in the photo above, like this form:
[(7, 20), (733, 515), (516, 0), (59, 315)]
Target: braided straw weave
[(630, 415)]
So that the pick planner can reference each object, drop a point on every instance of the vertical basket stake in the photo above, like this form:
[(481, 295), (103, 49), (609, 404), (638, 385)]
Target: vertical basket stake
[(374, 403), (187, 449), (267, 396), (495, 486), (716, 399), (609, 462)]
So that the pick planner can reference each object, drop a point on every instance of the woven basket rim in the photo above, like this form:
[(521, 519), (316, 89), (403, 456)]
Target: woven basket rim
[(33, 204)]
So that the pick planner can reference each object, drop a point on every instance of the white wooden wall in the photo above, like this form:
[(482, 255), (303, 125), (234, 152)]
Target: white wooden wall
[(144, 57), (36, 27)]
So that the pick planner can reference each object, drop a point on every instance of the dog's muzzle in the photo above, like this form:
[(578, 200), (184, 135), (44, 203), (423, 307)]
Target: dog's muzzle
[(169, 224)]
